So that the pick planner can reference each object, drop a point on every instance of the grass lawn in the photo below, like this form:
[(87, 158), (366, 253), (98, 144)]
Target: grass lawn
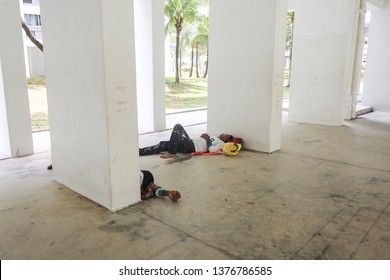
[(38, 107), (286, 92), (190, 93)]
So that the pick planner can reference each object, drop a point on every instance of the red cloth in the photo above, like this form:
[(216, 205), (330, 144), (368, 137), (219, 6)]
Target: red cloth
[(206, 153), (237, 140)]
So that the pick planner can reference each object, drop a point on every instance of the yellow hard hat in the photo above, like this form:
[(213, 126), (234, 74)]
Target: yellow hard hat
[(231, 148)]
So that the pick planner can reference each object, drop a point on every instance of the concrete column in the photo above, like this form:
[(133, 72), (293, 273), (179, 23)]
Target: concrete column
[(352, 98), (247, 42), (323, 58), (376, 91), (149, 33), (91, 84), (15, 122), (158, 24)]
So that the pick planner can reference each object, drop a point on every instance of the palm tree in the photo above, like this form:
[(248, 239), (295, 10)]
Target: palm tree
[(200, 40), (203, 39), (185, 41), (180, 12), (192, 59)]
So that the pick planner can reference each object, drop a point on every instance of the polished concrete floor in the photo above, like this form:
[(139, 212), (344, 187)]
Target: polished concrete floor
[(324, 195)]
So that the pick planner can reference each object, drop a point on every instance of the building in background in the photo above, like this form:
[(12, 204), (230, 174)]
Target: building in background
[(31, 15)]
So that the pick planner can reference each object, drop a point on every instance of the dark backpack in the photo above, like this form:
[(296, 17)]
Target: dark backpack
[(238, 141)]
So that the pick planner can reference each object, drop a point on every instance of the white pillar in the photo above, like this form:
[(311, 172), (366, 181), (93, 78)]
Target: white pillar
[(149, 34), (323, 58), (91, 83), (247, 44), (15, 121), (376, 86), (352, 100), (158, 64)]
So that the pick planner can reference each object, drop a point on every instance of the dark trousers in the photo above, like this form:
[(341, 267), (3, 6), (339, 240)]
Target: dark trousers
[(179, 142), (148, 178)]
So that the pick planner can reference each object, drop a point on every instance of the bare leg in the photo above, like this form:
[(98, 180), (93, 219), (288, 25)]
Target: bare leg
[(167, 155)]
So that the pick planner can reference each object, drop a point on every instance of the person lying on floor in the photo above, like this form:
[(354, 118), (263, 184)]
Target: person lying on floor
[(150, 189), (180, 142)]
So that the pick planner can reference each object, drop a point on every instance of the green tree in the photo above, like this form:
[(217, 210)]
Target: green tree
[(185, 40), (203, 39), (200, 41), (179, 13)]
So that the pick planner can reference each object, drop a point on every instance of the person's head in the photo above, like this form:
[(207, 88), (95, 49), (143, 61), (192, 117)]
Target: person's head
[(226, 137)]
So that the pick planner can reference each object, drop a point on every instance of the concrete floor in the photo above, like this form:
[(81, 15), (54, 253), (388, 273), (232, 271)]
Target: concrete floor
[(324, 195)]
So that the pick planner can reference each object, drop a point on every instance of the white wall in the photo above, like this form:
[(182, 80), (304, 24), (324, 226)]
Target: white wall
[(376, 91), (5, 147), (36, 63), (91, 83), (15, 122), (323, 56), (380, 4), (246, 42)]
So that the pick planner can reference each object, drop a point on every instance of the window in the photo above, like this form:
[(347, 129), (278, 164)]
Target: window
[(27, 1), (32, 20)]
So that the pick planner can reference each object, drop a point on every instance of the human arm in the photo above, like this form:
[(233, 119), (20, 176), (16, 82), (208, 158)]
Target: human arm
[(216, 145), (154, 190), (206, 137), (173, 195)]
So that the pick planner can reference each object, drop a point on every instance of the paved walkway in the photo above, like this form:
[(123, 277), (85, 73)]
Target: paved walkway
[(324, 195)]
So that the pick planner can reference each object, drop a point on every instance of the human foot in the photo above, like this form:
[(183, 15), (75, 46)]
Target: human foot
[(167, 155)]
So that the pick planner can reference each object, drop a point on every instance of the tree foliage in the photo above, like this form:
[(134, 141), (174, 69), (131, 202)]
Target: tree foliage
[(179, 14), (201, 40), (290, 29), (289, 41)]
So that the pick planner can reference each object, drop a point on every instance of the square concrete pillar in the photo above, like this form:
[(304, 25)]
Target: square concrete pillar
[(149, 34), (91, 84), (376, 91), (322, 71), (247, 42), (15, 121)]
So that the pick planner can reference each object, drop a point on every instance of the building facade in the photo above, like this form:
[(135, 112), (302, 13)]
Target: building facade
[(31, 14)]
